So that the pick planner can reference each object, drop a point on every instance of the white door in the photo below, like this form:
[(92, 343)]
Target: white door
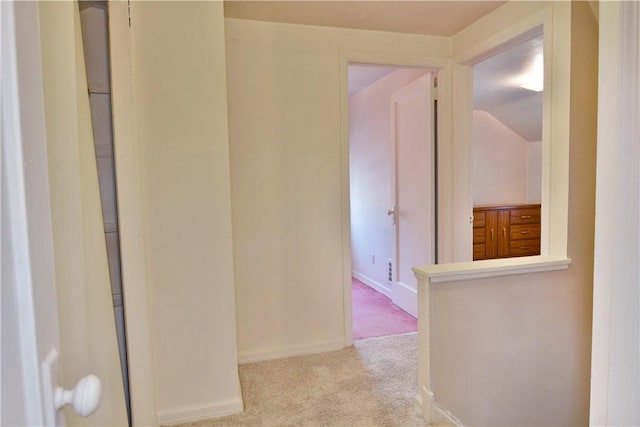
[(413, 213), (29, 310), (55, 284)]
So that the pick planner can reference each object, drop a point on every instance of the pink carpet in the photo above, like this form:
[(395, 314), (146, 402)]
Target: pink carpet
[(374, 315)]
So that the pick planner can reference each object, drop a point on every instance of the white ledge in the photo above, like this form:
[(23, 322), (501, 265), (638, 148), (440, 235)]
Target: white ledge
[(490, 268)]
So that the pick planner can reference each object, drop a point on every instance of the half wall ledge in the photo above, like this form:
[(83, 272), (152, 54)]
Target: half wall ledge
[(489, 268), (439, 273)]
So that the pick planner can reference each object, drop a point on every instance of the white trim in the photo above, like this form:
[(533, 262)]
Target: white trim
[(405, 297), (14, 207), (141, 362), (442, 416), (490, 268), (321, 347), (384, 290), (28, 269), (509, 36), (475, 43), (200, 412)]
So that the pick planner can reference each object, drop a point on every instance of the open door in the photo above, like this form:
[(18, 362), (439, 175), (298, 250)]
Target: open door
[(55, 279), (30, 337), (414, 198)]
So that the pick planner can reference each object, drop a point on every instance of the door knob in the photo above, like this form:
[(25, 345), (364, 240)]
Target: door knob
[(391, 211), (84, 398)]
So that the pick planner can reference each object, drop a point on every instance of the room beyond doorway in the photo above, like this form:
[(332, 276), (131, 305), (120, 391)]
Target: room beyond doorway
[(392, 183)]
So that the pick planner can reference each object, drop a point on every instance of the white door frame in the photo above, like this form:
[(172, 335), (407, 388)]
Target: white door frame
[(142, 380), (443, 67), (30, 330)]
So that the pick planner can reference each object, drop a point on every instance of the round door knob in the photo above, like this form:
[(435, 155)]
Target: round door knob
[(391, 211), (84, 398)]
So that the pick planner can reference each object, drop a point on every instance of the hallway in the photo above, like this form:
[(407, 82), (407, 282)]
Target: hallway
[(372, 383), (374, 315)]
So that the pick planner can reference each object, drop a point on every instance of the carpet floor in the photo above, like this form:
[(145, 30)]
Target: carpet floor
[(374, 315), (373, 383)]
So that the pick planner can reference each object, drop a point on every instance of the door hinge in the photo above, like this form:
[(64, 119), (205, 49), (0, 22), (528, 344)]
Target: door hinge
[(129, 11)]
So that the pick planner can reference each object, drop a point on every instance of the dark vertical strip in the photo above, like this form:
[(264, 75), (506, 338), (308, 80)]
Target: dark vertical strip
[(91, 44), (435, 174)]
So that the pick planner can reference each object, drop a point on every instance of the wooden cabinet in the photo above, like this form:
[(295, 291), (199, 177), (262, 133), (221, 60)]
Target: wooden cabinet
[(506, 231)]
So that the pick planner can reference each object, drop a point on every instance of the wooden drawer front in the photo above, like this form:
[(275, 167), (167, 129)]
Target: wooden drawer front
[(525, 247), (478, 219), (525, 216), (478, 235), (478, 251), (525, 231)]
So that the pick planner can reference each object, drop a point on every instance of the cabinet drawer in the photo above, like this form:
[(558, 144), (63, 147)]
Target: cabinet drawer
[(479, 251), (525, 247), (525, 231), (478, 235), (525, 216), (478, 219)]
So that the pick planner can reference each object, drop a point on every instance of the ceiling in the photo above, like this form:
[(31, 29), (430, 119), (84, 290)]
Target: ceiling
[(517, 108), (363, 75), (496, 89), (437, 18)]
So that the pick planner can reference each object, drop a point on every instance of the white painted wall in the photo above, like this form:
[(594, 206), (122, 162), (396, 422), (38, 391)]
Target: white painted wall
[(179, 95), (285, 141), (371, 177), (615, 366), (526, 339), (505, 167)]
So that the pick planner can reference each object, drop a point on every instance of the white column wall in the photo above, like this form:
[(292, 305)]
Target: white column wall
[(180, 108), (615, 367)]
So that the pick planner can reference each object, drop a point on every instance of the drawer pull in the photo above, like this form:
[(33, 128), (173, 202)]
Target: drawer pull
[(525, 232), (504, 232), (492, 234), (525, 216), (524, 248)]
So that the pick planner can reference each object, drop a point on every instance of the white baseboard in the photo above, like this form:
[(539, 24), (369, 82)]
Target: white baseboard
[(259, 356), (200, 412), (406, 298), (383, 289), (442, 416)]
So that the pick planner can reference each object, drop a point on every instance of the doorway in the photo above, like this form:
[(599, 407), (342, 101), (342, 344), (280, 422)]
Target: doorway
[(392, 193)]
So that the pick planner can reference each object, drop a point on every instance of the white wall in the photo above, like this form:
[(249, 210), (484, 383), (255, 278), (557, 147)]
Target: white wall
[(370, 157), (284, 120), (179, 96), (505, 167), (615, 366)]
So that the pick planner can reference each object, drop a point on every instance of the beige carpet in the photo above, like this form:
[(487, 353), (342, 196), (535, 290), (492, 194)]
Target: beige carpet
[(373, 383)]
